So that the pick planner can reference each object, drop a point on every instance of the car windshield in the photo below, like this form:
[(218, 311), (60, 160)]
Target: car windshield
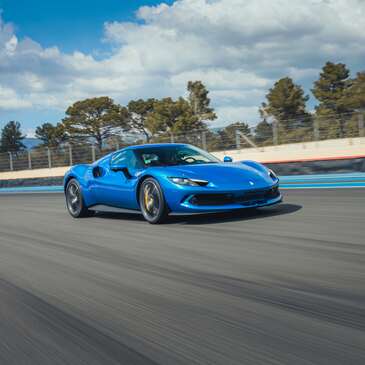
[(172, 156)]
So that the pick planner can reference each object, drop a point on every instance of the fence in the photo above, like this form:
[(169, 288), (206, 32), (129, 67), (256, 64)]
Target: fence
[(220, 140)]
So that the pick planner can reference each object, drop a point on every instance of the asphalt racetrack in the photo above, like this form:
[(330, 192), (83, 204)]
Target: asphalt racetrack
[(285, 285)]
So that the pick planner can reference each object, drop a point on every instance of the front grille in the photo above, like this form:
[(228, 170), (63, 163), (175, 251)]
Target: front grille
[(245, 198), (212, 199)]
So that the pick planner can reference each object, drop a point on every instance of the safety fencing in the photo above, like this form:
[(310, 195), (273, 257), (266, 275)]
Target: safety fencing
[(233, 138)]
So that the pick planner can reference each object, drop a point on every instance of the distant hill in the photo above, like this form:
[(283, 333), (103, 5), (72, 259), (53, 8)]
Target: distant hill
[(31, 142)]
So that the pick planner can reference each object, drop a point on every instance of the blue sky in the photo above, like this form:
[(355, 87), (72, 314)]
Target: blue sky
[(72, 25), (53, 53)]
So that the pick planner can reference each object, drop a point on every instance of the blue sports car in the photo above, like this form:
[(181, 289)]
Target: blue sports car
[(158, 179)]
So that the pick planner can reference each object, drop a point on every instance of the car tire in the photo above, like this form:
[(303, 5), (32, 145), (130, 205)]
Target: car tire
[(75, 201), (152, 201)]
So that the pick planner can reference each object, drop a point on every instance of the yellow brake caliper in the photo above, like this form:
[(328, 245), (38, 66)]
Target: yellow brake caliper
[(148, 199)]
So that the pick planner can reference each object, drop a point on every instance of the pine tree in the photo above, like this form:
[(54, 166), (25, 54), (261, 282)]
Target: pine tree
[(138, 113), (354, 94), (228, 134), (354, 98), (11, 138), (51, 135), (286, 102), (330, 89), (199, 101), (173, 117), (264, 133), (96, 118)]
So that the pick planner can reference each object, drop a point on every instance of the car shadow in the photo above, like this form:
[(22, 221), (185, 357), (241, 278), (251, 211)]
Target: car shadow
[(120, 216), (238, 215), (212, 218)]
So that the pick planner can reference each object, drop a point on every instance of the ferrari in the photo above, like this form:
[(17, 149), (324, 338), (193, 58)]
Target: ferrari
[(159, 179)]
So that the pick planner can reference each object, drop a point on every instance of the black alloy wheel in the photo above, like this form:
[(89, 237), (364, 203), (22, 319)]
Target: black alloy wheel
[(152, 201), (75, 201)]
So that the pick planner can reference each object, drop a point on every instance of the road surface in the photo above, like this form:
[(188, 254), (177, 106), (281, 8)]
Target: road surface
[(283, 286)]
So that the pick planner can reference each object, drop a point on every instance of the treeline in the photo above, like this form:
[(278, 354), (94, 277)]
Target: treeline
[(340, 98), (284, 116), (100, 120)]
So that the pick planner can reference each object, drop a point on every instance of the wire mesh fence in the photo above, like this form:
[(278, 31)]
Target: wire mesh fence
[(235, 138)]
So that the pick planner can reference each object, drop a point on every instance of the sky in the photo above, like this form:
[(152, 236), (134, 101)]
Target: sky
[(53, 53)]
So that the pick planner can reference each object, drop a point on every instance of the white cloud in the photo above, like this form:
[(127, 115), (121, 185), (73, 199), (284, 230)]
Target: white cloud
[(221, 78), (29, 133), (236, 114), (238, 48), (10, 100), (10, 45)]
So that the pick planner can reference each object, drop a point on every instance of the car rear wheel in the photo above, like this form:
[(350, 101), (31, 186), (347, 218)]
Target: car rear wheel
[(75, 201), (152, 201)]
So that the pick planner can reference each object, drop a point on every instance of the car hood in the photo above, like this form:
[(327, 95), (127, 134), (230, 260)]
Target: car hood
[(223, 176)]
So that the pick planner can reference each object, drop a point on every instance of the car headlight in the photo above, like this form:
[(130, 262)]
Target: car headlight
[(272, 174), (188, 182)]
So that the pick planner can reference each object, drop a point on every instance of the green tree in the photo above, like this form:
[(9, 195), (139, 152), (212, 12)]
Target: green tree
[(51, 135), (160, 118), (228, 134), (11, 137), (354, 94), (116, 141), (213, 141), (330, 90), (138, 113), (264, 133), (354, 99), (286, 102), (172, 117), (199, 101), (97, 118)]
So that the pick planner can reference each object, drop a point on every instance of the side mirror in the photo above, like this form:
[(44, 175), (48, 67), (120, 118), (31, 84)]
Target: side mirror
[(122, 168), (117, 167), (227, 159)]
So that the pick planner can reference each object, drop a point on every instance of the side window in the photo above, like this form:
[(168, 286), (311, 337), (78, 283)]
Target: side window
[(126, 158), (119, 158), (150, 159), (132, 160)]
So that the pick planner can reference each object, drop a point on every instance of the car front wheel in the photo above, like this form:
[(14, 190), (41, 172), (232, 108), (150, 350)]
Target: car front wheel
[(152, 201)]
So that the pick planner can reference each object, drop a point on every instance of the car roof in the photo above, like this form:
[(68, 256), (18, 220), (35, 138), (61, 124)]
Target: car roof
[(141, 146), (154, 145)]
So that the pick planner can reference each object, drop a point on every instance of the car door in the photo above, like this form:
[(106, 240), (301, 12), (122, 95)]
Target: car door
[(116, 188)]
